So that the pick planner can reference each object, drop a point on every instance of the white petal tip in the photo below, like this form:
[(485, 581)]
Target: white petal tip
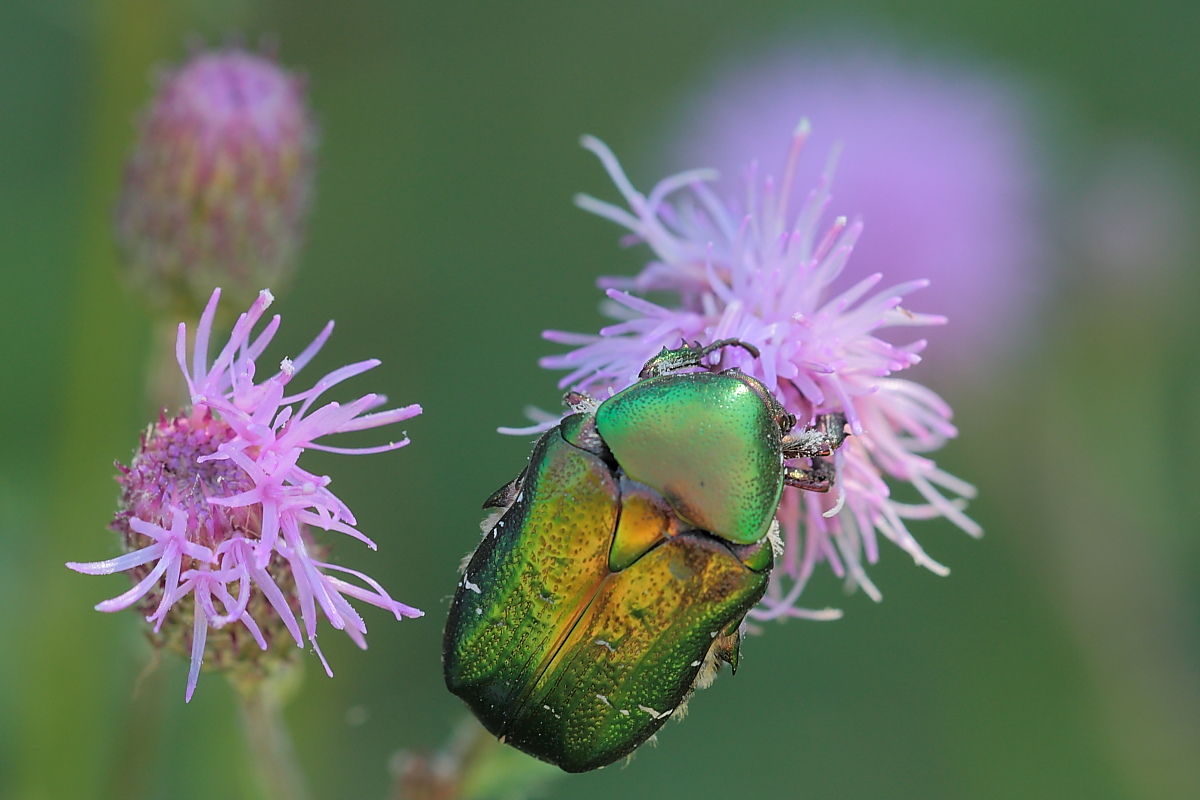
[(826, 615)]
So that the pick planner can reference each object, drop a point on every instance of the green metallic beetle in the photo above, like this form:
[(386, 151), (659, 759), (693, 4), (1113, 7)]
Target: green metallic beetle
[(614, 577)]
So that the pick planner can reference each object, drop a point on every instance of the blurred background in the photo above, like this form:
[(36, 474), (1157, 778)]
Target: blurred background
[(1060, 658)]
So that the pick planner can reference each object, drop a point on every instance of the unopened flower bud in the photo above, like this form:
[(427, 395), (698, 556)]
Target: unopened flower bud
[(219, 185)]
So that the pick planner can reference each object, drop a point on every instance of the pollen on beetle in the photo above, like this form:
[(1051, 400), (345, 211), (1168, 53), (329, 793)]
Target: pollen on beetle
[(774, 539), (216, 514)]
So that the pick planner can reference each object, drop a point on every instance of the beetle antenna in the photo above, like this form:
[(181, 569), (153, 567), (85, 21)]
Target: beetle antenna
[(749, 348), (689, 355)]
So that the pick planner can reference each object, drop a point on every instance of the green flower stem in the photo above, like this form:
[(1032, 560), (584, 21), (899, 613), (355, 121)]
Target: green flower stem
[(272, 755)]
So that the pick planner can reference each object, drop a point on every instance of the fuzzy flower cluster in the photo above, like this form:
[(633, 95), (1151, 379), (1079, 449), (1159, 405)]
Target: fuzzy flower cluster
[(216, 512), (769, 276)]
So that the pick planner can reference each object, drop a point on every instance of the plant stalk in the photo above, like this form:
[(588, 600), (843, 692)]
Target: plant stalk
[(273, 757)]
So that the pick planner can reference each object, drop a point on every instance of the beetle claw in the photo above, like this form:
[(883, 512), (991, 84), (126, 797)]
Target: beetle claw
[(825, 436), (818, 479), (506, 495)]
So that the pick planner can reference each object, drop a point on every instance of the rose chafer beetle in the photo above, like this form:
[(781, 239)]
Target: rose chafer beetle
[(616, 570)]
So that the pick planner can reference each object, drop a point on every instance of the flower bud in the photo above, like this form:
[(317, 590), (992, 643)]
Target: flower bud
[(219, 185)]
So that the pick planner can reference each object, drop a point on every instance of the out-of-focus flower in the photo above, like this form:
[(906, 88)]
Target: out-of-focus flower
[(472, 765), (218, 188), (766, 276), (939, 161), (215, 511)]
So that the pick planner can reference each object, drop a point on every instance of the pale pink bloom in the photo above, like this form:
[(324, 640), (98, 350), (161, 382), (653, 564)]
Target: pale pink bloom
[(938, 157), (216, 499), (771, 277)]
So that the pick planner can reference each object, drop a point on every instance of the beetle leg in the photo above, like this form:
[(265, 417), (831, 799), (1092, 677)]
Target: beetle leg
[(688, 355), (820, 440), (817, 479), (580, 403), (506, 495), (580, 430), (728, 646)]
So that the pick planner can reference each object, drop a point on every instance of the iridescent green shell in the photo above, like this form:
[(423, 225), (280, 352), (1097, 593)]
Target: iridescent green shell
[(583, 618), (707, 442)]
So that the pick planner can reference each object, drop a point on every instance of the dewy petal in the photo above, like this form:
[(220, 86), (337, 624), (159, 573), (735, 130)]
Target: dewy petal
[(260, 344), (220, 376), (171, 593), (326, 522), (203, 332), (120, 563), (360, 451), (126, 599), (381, 418), (528, 430), (772, 281), (199, 634), (380, 598), (329, 381), (275, 597), (310, 352)]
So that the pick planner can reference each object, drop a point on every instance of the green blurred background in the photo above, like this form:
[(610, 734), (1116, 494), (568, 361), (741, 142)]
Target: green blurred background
[(1061, 659)]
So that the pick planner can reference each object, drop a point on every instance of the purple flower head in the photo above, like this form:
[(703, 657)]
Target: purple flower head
[(219, 186), (772, 277), (216, 513), (938, 161)]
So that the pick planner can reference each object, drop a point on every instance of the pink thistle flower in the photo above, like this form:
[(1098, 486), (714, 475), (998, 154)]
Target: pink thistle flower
[(940, 161), (214, 498), (767, 277)]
